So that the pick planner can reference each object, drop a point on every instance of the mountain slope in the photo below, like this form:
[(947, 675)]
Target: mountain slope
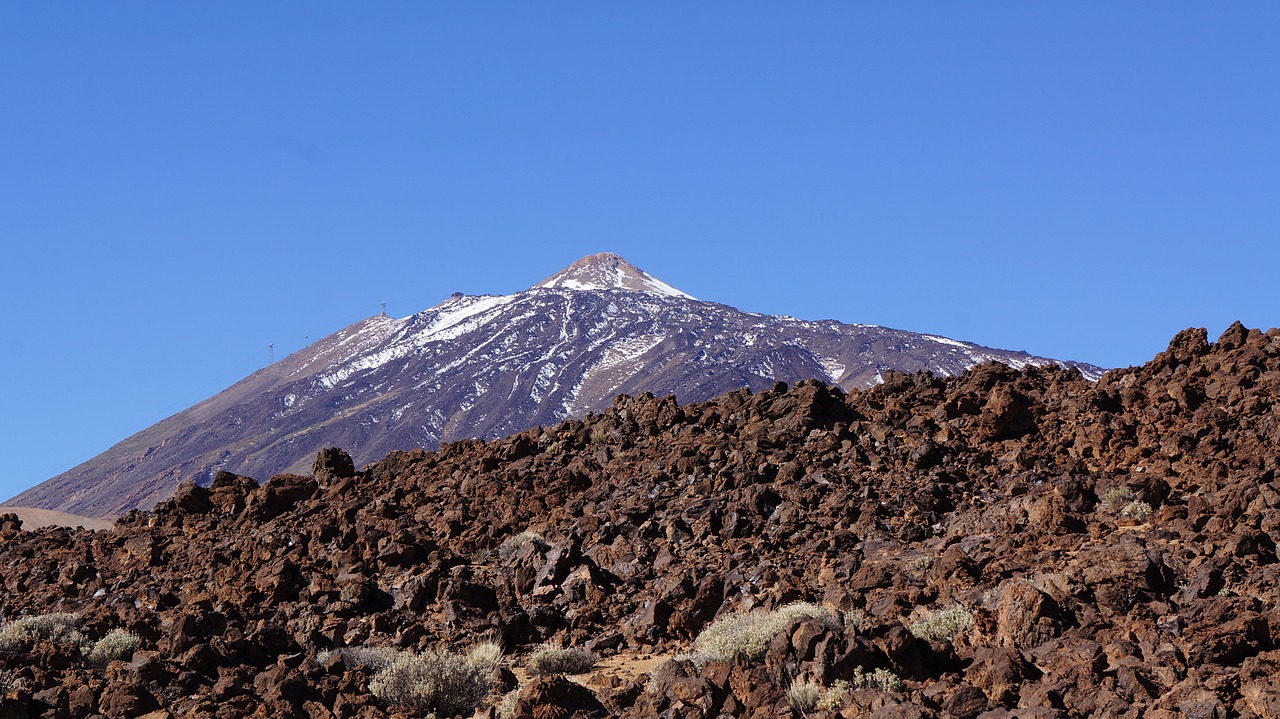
[(488, 366)]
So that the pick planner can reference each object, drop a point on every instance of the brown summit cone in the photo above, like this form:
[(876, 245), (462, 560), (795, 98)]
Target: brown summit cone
[(607, 271)]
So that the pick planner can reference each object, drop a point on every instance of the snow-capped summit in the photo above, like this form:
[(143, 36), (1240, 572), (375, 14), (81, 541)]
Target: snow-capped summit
[(607, 271), (488, 366)]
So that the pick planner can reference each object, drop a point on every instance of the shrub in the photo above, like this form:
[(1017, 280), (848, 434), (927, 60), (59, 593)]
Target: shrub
[(923, 563), (375, 659), (434, 682), (833, 697), (748, 633), (855, 618), (485, 656), (804, 696), (507, 706), (554, 660), (942, 625), (1138, 511), (1116, 496), (117, 645), (513, 545), (61, 628), (882, 679)]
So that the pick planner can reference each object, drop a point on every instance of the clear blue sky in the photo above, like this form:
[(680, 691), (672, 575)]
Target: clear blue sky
[(183, 183)]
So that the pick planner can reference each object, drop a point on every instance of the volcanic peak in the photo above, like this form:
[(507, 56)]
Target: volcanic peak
[(607, 271)]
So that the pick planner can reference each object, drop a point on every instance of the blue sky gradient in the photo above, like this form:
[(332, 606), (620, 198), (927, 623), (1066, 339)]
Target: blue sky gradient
[(183, 184)]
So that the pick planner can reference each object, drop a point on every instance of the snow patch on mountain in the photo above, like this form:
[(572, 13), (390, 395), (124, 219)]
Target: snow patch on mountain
[(834, 369), (948, 341), (351, 343), (460, 316)]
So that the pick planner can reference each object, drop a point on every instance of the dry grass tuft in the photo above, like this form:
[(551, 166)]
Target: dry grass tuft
[(804, 696)]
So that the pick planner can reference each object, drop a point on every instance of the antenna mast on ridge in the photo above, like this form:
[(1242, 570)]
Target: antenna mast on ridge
[(271, 353), (384, 309)]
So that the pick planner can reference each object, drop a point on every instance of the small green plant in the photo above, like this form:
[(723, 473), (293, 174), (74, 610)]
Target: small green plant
[(60, 628), (117, 645), (1138, 511), (882, 679), (804, 696), (748, 634), (436, 682), (942, 625), (923, 563), (549, 659), (513, 545)]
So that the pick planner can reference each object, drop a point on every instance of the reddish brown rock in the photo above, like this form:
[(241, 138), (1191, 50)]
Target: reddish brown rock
[(1006, 493), (557, 698)]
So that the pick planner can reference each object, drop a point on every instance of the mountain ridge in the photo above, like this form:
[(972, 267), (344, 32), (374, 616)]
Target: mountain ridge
[(490, 365)]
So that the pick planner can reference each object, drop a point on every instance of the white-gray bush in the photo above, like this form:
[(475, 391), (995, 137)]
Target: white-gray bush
[(1138, 510), (943, 624), (374, 659), (882, 679), (117, 645), (62, 628), (435, 682), (549, 659), (513, 545), (748, 634), (833, 697), (507, 705)]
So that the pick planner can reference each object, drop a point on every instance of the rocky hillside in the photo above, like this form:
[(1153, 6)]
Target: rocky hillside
[(488, 366), (1005, 543)]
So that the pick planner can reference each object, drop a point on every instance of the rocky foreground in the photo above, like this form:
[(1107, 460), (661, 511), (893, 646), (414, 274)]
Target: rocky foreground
[(1001, 544)]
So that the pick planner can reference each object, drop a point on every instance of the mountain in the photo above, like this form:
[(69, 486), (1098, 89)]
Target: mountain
[(1000, 544), (491, 365)]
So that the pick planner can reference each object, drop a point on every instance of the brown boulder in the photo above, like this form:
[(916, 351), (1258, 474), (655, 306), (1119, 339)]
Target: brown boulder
[(556, 698), (332, 463), (127, 701), (191, 498), (1025, 616)]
